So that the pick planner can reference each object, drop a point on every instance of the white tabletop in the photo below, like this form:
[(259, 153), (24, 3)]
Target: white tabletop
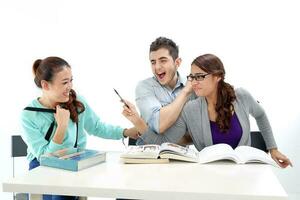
[(177, 180)]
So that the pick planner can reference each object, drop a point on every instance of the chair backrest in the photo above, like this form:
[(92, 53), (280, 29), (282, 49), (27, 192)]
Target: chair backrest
[(258, 141), (18, 146), (131, 141), (18, 149)]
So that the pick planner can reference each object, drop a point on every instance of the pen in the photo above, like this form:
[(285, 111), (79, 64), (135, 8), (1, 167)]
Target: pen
[(122, 100)]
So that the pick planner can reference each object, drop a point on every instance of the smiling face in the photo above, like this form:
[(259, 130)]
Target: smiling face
[(164, 67), (58, 89), (206, 87)]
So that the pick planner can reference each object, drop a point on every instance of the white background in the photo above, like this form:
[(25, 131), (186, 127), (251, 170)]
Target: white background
[(107, 45)]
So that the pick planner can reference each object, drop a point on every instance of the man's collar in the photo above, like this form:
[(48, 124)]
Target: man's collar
[(181, 80)]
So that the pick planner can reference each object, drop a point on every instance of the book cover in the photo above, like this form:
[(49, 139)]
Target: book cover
[(73, 159), (159, 153), (145, 160)]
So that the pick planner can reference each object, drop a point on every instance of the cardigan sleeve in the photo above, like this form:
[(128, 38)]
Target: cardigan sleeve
[(34, 136), (95, 126), (256, 110)]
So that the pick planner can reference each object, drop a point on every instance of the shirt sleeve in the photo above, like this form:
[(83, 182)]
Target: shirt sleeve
[(94, 126), (148, 105), (257, 111)]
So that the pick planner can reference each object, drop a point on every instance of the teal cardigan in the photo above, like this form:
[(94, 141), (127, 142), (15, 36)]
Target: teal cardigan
[(35, 125)]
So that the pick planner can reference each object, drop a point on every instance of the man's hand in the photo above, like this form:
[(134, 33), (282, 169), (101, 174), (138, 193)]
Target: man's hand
[(188, 88), (132, 115)]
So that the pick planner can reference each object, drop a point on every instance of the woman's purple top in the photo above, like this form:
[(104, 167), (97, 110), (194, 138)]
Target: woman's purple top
[(232, 137)]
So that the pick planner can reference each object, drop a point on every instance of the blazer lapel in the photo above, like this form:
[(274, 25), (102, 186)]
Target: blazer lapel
[(206, 124), (245, 126)]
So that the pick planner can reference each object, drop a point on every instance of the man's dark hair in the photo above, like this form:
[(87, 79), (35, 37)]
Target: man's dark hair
[(166, 43)]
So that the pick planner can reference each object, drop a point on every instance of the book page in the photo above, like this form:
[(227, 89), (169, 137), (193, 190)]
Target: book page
[(72, 155), (142, 151), (82, 155), (171, 148), (249, 154), (217, 152), (61, 152)]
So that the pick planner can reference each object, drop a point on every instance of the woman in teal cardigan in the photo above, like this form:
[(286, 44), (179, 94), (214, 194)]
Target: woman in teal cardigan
[(59, 118)]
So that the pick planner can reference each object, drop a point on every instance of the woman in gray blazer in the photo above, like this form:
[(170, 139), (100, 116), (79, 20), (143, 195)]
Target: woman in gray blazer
[(220, 114)]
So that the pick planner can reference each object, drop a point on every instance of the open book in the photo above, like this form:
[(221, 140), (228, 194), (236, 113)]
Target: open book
[(162, 153), (152, 153), (240, 155)]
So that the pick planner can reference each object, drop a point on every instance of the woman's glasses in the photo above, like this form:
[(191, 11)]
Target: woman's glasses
[(197, 77)]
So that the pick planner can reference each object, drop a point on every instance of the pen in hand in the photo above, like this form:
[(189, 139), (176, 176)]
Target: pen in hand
[(122, 100)]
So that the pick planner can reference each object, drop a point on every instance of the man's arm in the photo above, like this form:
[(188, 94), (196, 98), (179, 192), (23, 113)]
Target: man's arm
[(174, 134), (169, 114), (157, 117), (148, 104), (176, 130)]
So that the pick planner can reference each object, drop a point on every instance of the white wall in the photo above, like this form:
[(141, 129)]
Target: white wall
[(107, 43)]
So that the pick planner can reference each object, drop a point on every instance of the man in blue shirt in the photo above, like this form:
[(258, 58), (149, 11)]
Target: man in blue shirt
[(161, 98)]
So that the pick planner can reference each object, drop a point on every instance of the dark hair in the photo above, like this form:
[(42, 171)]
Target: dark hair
[(45, 70), (166, 43), (225, 95)]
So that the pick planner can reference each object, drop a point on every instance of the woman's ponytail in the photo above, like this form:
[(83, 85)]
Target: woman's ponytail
[(37, 77), (224, 106), (74, 106)]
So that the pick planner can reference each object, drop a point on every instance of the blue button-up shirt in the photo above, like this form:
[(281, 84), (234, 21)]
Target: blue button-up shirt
[(151, 96)]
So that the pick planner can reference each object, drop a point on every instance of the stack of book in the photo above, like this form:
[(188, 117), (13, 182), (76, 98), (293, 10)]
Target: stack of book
[(73, 159)]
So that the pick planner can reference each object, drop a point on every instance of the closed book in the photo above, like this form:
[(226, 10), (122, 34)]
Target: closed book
[(73, 159), (145, 160)]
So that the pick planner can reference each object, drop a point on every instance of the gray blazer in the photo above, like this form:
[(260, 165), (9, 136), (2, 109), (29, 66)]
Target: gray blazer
[(194, 120)]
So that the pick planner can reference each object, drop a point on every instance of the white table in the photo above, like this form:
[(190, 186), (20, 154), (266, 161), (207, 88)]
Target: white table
[(177, 180)]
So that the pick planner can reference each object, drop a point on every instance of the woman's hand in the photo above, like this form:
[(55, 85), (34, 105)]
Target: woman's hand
[(132, 133), (132, 115), (62, 117), (280, 159)]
